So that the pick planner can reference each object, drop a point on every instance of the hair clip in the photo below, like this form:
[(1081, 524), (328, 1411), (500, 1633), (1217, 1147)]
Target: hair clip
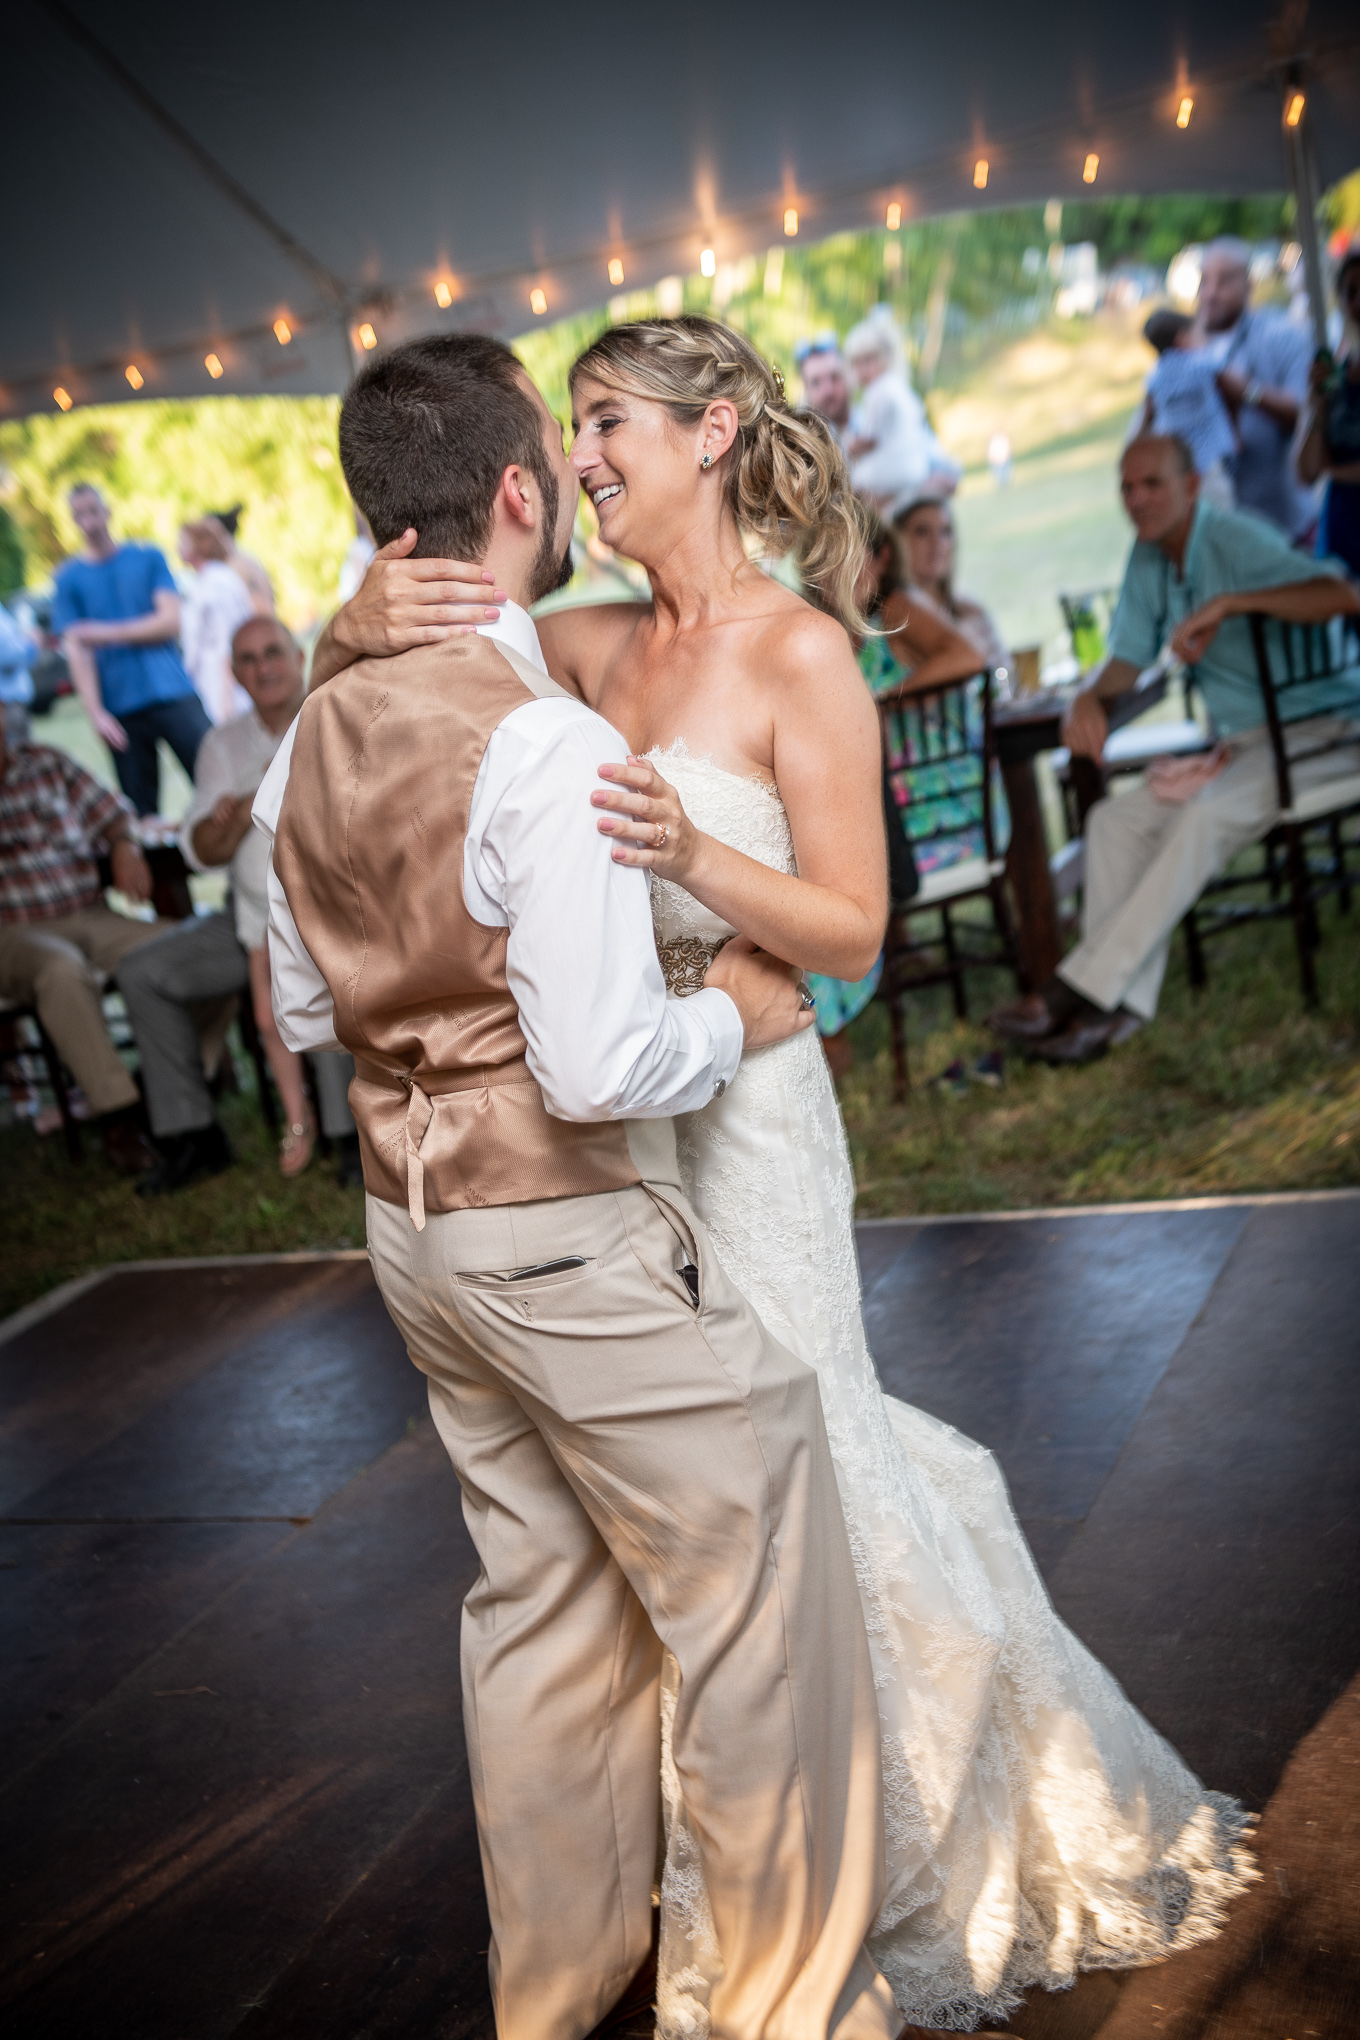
[(778, 381)]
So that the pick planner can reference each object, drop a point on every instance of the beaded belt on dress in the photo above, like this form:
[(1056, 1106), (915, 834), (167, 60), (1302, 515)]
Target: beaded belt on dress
[(684, 963)]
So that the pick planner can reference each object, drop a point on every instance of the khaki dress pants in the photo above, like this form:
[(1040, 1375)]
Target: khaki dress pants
[(1148, 861), (59, 967), (635, 1473)]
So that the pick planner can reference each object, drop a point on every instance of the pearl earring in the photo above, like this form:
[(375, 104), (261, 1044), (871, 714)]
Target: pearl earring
[(707, 461)]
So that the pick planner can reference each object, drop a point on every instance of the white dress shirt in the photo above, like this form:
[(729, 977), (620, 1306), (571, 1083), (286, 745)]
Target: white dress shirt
[(601, 1036), (234, 759)]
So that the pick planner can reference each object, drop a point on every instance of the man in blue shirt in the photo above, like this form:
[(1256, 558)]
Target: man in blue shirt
[(1193, 576), (1263, 361), (118, 610)]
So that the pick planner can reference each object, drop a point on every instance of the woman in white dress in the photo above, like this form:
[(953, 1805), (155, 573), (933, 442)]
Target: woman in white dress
[(1035, 1823), (217, 604)]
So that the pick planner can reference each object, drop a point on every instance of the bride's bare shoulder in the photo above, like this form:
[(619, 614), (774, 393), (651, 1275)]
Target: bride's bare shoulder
[(802, 647), (581, 641)]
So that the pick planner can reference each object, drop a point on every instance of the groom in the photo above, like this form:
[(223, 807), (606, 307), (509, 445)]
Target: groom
[(642, 1464)]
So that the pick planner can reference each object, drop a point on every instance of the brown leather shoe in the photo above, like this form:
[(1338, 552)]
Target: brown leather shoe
[(127, 1149), (1028, 1019), (1082, 1042)]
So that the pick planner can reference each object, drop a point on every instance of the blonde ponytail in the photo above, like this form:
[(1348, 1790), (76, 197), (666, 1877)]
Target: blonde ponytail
[(787, 484)]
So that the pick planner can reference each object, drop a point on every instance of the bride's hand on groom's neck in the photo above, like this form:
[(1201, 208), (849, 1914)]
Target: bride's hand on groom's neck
[(401, 603)]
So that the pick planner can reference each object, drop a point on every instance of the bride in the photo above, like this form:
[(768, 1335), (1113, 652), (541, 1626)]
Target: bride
[(1036, 1825)]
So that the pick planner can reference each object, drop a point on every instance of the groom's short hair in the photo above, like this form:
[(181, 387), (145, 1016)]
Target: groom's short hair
[(427, 431)]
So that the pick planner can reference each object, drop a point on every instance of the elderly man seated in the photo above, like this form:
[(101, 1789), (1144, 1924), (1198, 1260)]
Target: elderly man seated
[(212, 957), (59, 939), (1193, 575)]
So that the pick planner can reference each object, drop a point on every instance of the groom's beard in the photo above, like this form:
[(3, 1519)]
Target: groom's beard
[(549, 572)]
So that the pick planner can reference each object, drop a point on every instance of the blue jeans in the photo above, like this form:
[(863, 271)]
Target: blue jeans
[(183, 723)]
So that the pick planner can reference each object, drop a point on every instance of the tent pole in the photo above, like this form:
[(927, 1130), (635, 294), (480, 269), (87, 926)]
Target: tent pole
[(1303, 179)]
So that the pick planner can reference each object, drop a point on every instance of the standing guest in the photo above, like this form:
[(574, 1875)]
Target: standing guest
[(218, 602), (1194, 575), (1329, 445), (929, 550), (213, 957), (1183, 400), (1262, 363), (118, 612), (826, 382), (251, 570), (18, 652), (893, 452), (59, 938)]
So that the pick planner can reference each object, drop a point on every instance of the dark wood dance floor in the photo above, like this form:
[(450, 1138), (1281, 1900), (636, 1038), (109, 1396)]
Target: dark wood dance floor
[(235, 1797)]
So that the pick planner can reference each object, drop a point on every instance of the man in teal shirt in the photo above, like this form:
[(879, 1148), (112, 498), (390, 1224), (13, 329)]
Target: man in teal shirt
[(1193, 576)]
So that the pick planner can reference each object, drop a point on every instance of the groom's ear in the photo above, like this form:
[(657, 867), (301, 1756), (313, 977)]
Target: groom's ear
[(519, 495)]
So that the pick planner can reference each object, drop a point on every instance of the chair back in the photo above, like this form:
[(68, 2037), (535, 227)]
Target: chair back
[(1305, 670), (938, 757)]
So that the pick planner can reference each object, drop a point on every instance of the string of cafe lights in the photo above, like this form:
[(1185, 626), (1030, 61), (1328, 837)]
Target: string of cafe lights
[(447, 290)]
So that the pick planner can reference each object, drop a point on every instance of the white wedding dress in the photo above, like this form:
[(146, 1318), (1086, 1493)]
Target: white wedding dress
[(1036, 1825)]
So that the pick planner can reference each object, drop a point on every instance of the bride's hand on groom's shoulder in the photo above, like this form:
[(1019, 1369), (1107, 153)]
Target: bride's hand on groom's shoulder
[(404, 602), (646, 819)]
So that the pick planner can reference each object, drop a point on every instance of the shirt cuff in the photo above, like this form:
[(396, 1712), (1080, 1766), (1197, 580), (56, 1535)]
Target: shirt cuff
[(724, 1025)]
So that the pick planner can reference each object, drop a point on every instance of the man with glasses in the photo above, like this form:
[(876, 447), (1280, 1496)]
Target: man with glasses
[(217, 955)]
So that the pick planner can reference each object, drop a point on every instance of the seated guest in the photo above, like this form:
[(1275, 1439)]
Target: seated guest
[(1193, 575), (929, 545), (117, 609), (59, 939), (212, 957)]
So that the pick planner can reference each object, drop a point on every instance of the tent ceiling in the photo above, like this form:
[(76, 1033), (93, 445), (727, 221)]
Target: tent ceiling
[(154, 175)]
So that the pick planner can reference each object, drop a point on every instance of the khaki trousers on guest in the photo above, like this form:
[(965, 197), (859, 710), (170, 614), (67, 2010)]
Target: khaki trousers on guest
[(1147, 862), (59, 967), (635, 1473)]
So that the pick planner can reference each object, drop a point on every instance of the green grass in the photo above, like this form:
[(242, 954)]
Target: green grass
[(62, 1219), (1235, 1089)]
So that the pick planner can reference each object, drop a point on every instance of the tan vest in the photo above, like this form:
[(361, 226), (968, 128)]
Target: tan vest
[(369, 850)]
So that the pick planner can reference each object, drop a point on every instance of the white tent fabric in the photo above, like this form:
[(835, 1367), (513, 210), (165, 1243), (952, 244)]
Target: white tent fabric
[(177, 182)]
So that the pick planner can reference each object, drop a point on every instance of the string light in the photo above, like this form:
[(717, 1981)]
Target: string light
[(1089, 169), (443, 295), (283, 332), (980, 169), (61, 398), (213, 366), (1293, 112), (1184, 111), (894, 217), (368, 339), (615, 270), (708, 262), (790, 220), (538, 302), (134, 375)]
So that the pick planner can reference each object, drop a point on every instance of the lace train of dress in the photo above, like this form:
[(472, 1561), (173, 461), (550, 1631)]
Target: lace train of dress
[(1036, 1825)]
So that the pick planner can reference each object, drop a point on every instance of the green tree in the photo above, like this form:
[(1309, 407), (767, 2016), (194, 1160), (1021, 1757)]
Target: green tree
[(11, 554)]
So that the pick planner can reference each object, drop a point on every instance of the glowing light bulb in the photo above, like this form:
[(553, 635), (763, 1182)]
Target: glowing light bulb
[(1089, 169), (790, 220), (443, 294), (980, 170), (1184, 111), (538, 302), (368, 339), (1293, 112), (61, 398), (894, 220), (134, 375), (213, 366), (615, 270), (283, 332), (708, 263)]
